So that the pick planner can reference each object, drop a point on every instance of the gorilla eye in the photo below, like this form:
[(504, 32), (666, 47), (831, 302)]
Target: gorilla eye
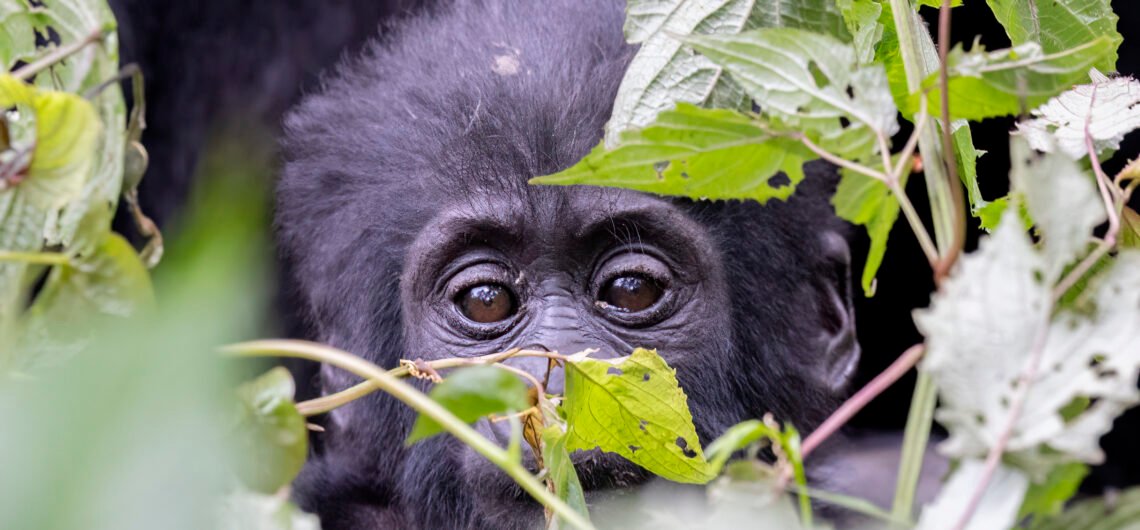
[(631, 293), (486, 303)]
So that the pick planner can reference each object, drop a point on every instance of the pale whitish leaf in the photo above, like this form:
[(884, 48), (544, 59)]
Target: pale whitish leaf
[(697, 153), (246, 510), (1106, 109), (1058, 25), (809, 82), (663, 73), (634, 407), (1061, 199), (998, 508), (982, 330), (1000, 83)]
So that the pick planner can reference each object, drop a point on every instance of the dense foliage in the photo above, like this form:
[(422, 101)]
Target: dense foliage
[(1032, 342)]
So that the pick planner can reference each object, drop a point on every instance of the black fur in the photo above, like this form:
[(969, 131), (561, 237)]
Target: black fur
[(424, 120)]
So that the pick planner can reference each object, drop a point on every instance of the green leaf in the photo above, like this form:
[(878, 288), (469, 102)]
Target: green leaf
[(862, 19), (1129, 228), (936, 3), (811, 83), (1001, 83), (1059, 25), (738, 437), (697, 153), (17, 34), (991, 214), (76, 298), (1049, 497), (1119, 511), (865, 201), (557, 461), (272, 432), (1107, 109), (663, 73), (634, 407), (472, 393)]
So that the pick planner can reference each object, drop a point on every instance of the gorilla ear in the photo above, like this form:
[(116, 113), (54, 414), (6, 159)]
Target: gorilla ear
[(837, 338)]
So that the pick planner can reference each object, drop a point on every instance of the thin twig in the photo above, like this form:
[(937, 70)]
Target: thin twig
[(949, 157), (860, 399), (907, 153), (35, 258), (993, 459), (916, 226), (841, 162), (28, 70)]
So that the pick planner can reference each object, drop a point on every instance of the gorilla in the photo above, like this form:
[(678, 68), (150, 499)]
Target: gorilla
[(409, 229)]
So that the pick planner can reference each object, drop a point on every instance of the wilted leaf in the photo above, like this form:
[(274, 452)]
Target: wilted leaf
[(1106, 108), (561, 469), (697, 153), (271, 432), (1059, 25), (1001, 83), (1129, 228), (869, 202), (634, 407), (809, 82), (472, 393), (998, 508)]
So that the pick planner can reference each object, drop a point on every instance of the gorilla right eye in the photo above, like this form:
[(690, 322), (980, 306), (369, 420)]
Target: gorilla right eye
[(486, 303)]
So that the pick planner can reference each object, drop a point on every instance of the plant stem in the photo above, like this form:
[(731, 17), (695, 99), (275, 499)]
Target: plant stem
[(856, 402), (331, 402), (422, 404), (35, 258), (917, 434), (28, 70), (948, 154), (842, 162)]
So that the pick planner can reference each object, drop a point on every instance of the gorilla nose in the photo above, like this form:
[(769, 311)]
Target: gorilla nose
[(547, 371)]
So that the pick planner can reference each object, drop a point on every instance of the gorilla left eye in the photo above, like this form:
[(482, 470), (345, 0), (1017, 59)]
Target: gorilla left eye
[(487, 303), (631, 294)]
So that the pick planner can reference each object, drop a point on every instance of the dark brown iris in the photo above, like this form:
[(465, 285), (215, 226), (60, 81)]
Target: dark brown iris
[(631, 293), (486, 303)]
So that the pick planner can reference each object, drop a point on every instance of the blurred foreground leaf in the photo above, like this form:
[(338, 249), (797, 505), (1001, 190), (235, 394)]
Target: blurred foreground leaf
[(472, 393), (271, 432)]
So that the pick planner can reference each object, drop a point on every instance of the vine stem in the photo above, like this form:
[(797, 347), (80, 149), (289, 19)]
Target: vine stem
[(855, 403), (35, 258), (330, 402), (67, 50), (422, 404), (949, 157)]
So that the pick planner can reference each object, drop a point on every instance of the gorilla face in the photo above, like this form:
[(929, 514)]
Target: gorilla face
[(564, 270), (409, 231)]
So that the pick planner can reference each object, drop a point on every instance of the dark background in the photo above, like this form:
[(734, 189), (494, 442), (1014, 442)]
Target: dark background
[(220, 73)]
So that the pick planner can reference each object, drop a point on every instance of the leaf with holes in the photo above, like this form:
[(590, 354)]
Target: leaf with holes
[(697, 153), (271, 432), (472, 393), (17, 32), (809, 82), (1059, 25), (993, 315), (634, 407), (1105, 110)]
